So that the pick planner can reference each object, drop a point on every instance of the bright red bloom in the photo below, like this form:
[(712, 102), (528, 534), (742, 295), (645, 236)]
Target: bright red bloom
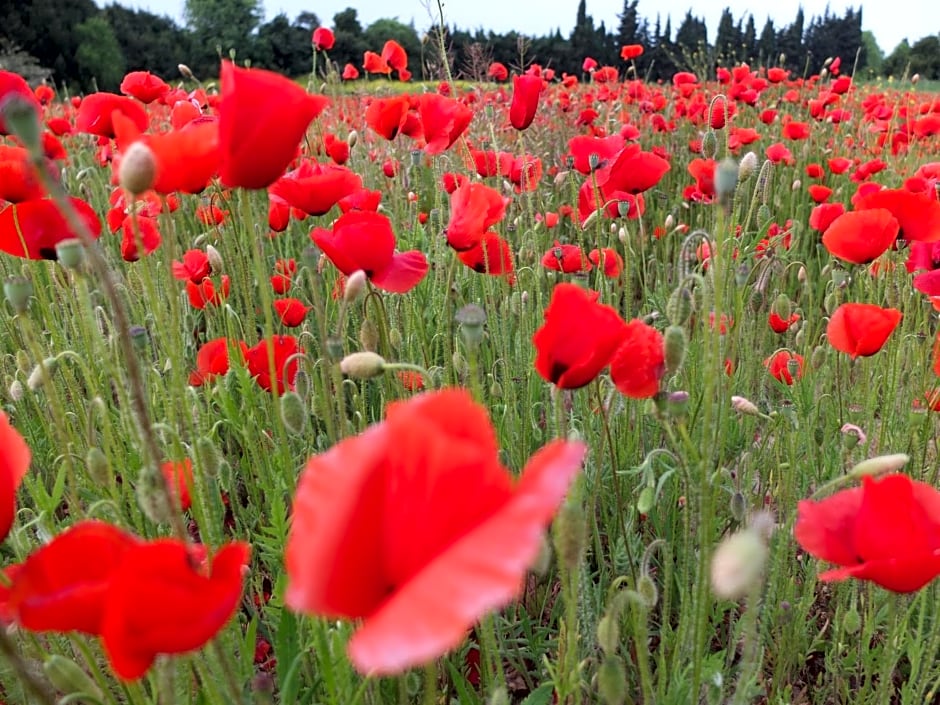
[(32, 229), (95, 114), (796, 130), (373, 63), (583, 148), (861, 236), (631, 51), (365, 240), (474, 209), (824, 215), (144, 86), (703, 171), (350, 72), (395, 56), (212, 360), (491, 255), (14, 462), (578, 339), (918, 215), (19, 180), (205, 292), (195, 266), (139, 232), (861, 329), (609, 260), (498, 72), (781, 325), (323, 39), (291, 311), (282, 349), (14, 84), (417, 527), (639, 362), (179, 478), (444, 120), (387, 115), (886, 531), (63, 586), (262, 118), (525, 100), (566, 258), (315, 188), (633, 171), (160, 601), (780, 363), (819, 193)]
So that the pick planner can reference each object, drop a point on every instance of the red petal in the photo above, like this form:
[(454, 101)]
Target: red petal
[(826, 529), (403, 273)]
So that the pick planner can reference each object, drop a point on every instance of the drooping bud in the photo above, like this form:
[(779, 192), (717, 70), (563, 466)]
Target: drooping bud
[(748, 166), (69, 678), (612, 680), (98, 467), (782, 307), (737, 564), (40, 372), (18, 291), (744, 406), (352, 138), (679, 306), (215, 259), (138, 169), (208, 456), (674, 345), (570, 535), (362, 365), (293, 413), (369, 335), (152, 495), (879, 465), (355, 285)]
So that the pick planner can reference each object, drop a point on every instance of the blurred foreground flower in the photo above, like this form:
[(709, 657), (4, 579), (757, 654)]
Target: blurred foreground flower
[(415, 527)]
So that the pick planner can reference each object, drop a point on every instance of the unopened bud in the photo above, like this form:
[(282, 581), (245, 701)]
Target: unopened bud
[(612, 680), (185, 71), (669, 222), (744, 406), (647, 590), (726, 179), (362, 365), (796, 185), (98, 467), (355, 285), (782, 307), (16, 391), (369, 335), (674, 345), (679, 306), (737, 564), (18, 291), (208, 456), (738, 506), (352, 138), (709, 144), (138, 168), (570, 535), (851, 621), (68, 677), (293, 413), (818, 357), (22, 120), (153, 496), (215, 259), (748, 166), (40, 372), (880, 465)]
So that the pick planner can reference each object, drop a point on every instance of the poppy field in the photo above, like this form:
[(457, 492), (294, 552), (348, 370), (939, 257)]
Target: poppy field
[(546, 389)]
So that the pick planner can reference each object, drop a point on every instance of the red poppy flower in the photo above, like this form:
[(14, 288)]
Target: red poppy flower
[(395, 56), (14, 462), (178, 476), (578, 338), (633, 171), (474, 209), (819, 193), (213, 360), (498, 72), (373, 63), (95, 113), (417, 528), (601, 151), (781, 325), (194, 266), (861, 329), (387, 115), (609, 260), (205, 292), (639, 362), (785, 366), (160, 601), (823, 215), (861, 236), (796, 130), (323, 39), (144, 86), (491, 255), (631, 51), (315, 188), (262, 118), (64, 585), (291, 311), (918, 215), (19, 180), (14, 84), (350, 72), (525, 100), (886, 531), (140, 236), (443, 120), (365, 240), (282, 349), (32, 229), (703, 171), (566, 258)]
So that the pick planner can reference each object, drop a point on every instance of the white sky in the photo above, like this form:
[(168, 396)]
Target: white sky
[(889, 20)]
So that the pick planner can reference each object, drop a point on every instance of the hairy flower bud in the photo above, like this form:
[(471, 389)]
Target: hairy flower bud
[(362, 365)]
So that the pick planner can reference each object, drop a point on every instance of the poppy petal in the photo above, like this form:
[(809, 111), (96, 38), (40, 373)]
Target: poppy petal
[(403, 273)]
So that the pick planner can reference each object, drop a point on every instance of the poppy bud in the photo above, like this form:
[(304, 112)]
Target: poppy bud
[(68, 677), (560, 178), (782, 307), (744, 406), (612, 681), (185, 71), (362, 365), (394, 339), (851, 621), (16, 390), (589, 221), (293, 413), (818, 357), (352, 138), (679, 306), (215, 259), (98, 467), (737, 564), (355, 284), (647, 590), (38, 376), (647, 498), (302, 384), (674, 345), (570, 535), (461, 367), (138, 169), (738, 506), (23, 363), (18, 291), (710, 145), (608, 632), (748, 166), (208, 457), (334, 347), (879, 465), (152, 495), (852, 435), (369, 335)]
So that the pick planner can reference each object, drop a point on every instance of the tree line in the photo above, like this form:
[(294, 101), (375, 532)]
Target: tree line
[(82, 47)]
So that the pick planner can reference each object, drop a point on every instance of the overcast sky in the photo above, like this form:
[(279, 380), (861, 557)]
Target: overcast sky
[(889, 20)]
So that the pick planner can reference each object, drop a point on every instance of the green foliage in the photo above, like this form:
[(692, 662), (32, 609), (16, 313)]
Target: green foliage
[(149, 42), (220, 27), (99, 56)]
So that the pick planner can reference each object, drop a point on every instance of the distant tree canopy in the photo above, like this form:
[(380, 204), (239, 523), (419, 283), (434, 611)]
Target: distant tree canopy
[(83, 46)]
